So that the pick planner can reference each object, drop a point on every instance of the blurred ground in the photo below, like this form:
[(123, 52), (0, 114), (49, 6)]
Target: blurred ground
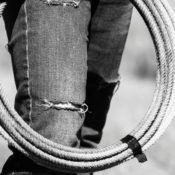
[(129, 104)]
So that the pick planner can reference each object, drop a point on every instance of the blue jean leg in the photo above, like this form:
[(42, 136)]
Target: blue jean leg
[(108, 32), (48, 45)]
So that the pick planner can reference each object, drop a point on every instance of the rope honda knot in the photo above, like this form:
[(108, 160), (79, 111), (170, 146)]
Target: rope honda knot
[(160, 20)]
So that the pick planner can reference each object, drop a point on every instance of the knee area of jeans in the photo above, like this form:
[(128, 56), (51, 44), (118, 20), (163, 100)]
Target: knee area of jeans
[(54, 115), (46, 104), (59, 125)]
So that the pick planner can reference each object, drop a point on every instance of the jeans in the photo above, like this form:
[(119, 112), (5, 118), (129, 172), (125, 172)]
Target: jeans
[(52, 48)]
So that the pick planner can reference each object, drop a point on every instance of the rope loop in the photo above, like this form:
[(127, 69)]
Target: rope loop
[(160, 20)]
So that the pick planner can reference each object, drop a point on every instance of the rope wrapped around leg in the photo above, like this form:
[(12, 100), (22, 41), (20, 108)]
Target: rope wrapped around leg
[(160, 20)]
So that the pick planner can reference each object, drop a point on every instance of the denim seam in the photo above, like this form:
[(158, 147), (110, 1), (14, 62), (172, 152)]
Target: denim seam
[(27, 59)]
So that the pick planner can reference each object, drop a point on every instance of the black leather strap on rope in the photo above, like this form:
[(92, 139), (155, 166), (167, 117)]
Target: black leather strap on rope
[(136, 148)]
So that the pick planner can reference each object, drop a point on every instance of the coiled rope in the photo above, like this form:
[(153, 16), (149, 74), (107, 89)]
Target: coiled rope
[(160, 20)]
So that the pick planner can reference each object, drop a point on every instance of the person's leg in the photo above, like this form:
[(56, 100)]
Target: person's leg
[(48, 46), (108, 33)]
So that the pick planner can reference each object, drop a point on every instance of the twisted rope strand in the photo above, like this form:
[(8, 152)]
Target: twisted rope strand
[(160, 20)]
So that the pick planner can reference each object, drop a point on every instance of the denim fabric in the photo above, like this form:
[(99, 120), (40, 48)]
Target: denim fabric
[(108, 32), (48, 45), (52, 48)]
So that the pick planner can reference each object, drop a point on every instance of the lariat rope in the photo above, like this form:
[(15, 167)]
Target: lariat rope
[(160, 20)]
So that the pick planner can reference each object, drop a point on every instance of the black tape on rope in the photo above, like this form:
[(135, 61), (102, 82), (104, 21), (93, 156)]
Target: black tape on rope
[(136, 148)]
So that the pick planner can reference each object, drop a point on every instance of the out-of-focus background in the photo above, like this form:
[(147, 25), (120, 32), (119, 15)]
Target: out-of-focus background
[(129, 105)]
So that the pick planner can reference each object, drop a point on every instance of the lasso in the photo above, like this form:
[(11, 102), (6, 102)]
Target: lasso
[(160, 20)]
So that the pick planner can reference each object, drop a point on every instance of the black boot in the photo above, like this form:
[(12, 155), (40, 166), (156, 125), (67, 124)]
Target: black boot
[(98, 98)]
